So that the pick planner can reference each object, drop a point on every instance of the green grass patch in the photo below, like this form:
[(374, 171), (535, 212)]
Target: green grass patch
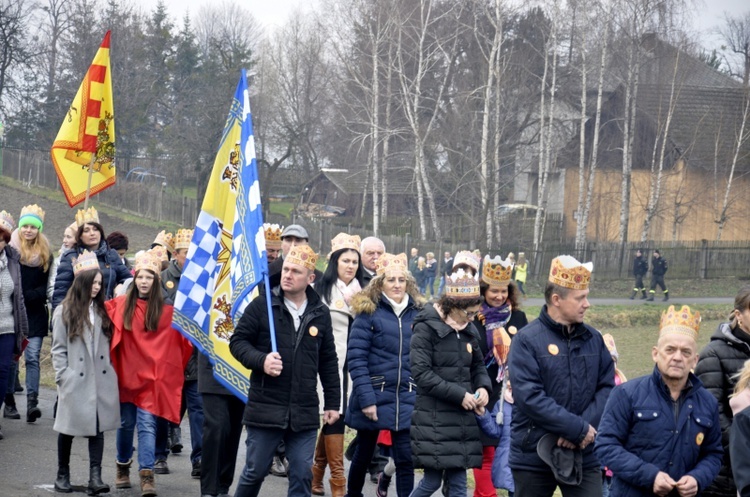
[(281, 208)]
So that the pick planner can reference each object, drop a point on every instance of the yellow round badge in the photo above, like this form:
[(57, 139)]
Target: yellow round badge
[(170, 284), (468, 347), (553, 349), (339, 304), (512, 330), (699, 438), (313, 331)]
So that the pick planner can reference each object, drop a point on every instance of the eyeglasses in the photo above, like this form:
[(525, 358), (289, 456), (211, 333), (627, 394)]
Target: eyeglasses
[(469, 315)]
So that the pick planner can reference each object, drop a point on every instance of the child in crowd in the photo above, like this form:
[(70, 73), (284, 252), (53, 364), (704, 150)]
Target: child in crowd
[(496, 424)]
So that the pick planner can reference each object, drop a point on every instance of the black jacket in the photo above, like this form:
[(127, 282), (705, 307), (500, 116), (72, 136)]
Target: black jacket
[(34, 284), (445, 365), (289, 400), (517, 319), (740, 449), (640, 266), (719, 361), (659, 266)]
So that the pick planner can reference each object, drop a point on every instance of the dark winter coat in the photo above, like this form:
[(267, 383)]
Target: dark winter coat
[(170, 280), (640, 266), (113, 270), (639, 436), (447, 267), (420, 276), (34, 282), (20, 319), (739, 445), (659, 266), (289, 400), (560, 385), (719, 361), (379, 365), (518, 320), (445, 365), (430, 269)]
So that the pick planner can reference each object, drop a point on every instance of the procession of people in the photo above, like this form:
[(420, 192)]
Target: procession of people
[(365, 342)]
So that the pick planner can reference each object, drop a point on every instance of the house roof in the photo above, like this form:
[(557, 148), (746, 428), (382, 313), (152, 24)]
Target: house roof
[(400, 181)]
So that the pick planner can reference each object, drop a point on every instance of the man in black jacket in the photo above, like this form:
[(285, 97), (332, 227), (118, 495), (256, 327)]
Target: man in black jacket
[(658, 270), (282, 399), (371, 249), (640, 268)]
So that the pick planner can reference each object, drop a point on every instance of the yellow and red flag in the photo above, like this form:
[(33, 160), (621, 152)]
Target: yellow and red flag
[(87, 136)]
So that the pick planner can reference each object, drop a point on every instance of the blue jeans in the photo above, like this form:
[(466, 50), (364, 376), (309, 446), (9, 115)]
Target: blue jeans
[(7, 344), (433, 479), (31, 354), (441, 286), (260, 447), (130, 416), (430, 285)]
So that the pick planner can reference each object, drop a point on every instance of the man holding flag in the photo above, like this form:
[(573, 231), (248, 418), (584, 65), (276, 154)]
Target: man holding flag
[(282, 399)]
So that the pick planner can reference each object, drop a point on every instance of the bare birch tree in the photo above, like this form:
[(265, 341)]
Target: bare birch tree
[(740, 139)]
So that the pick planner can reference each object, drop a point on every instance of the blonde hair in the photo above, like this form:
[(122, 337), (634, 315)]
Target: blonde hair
[(743, 378), (38, 247), (421, 263)]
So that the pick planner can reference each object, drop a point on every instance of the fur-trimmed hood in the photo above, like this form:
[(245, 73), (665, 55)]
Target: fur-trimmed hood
[(363, 303)]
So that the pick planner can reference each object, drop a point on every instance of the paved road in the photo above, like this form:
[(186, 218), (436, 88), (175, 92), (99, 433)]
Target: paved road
[(28, 461)]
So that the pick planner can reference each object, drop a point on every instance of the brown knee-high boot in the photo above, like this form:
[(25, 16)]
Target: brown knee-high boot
[(335, 454), (319, 466)]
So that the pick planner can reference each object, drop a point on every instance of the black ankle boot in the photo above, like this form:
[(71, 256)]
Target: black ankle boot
[(96, 485), (10, 411), (62, 483), (32, 411)]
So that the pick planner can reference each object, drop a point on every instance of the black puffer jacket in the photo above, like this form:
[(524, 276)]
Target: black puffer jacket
[(34, 282), (445, 365), (290, 399), (719, 361)]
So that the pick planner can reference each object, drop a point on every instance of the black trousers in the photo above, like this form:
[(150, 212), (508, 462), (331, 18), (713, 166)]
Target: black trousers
[(65, 444), (222, 429), (658, 279), (639, 286), (543, 484)]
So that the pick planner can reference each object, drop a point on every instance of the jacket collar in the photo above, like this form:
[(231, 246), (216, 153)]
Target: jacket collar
[(313, 299), (577, 330), (441, 329), (693, 384), (726, 334), (173, 271)]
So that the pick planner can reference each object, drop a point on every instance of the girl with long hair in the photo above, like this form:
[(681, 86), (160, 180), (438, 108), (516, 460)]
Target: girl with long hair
[(150, 357), (88, 401), (340, 282)]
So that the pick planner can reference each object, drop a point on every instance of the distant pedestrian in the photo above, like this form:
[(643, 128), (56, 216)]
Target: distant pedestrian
[(431, 266), (640, 268), (413, 259), (521, 269), (659, 268), (420, 274), (445, 271)]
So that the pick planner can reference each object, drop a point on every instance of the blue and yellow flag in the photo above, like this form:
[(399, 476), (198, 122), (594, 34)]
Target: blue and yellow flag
[(227, 254)]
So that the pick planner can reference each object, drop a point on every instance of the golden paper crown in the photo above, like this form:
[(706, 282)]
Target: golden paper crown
[(86, 216), (273, 235), (389, 263), (302, 255), (496, 271), (682, 322), (567, 272), (32, 210), (149, 260), (462, 285), (182, 239), (85, 262), (345, 241), (166, 240), (6, 222), (160, 252), (609, 341), (73, 227), (468, 258)]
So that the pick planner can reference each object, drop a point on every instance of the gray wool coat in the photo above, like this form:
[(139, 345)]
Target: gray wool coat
[(86, 381)]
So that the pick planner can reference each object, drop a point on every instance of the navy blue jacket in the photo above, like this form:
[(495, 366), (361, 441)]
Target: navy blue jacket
[(560, 386), (113, 270), (378, 359), (638, 435)]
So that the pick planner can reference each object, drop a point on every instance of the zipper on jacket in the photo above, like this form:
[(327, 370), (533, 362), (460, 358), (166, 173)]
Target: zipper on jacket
[(398, 382)]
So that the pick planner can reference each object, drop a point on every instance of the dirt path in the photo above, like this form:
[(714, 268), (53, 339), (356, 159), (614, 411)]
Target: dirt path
[(59, 215)]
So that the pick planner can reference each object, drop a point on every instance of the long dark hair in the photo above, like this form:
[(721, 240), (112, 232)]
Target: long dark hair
[(331, 274), (154, 304), (98, 227), (512, 293), (75, 313)]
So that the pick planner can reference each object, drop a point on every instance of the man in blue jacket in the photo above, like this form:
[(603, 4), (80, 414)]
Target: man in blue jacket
[(562, 376), (660, 433)]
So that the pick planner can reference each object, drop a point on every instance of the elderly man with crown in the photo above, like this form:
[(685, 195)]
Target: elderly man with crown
[(660, 433), (562, 375), (282, 401)]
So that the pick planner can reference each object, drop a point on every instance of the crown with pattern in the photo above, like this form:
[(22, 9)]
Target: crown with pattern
[(6, 222), (86, 216), (149, 260), (496, 271), (33, 215), (160, 252), (182, 239), (273, 235), (567, 272), (166, 240), (682, 322), (345, 241), (462, 285), (302, 255), (468, 258), (85, 262), (389, 263)]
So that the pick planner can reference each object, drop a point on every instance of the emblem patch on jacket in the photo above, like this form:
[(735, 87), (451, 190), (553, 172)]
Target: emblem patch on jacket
[(553, 349), (313, 331)]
